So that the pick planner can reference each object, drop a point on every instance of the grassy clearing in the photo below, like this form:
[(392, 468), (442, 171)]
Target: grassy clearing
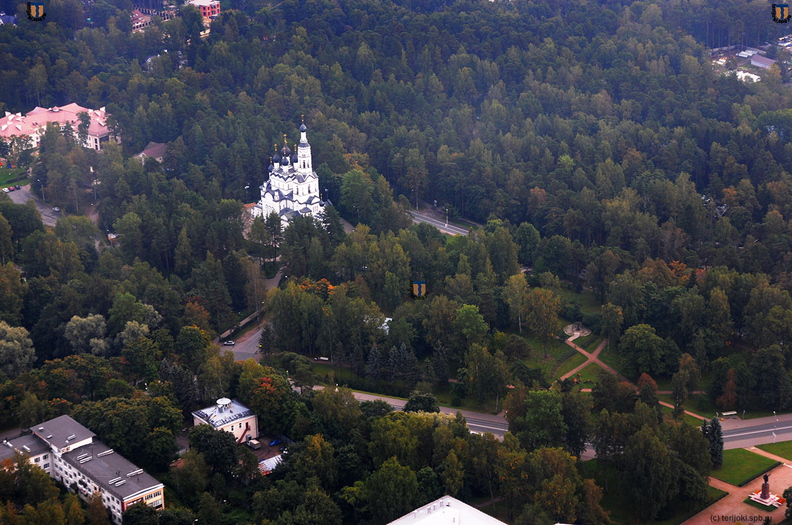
[(570, 364), (557, 353), (590, 375), (9, 175), (588, 304), (741, 466), (690, 420), (783, 449), (698, 404), (589, 343), (610, 357)]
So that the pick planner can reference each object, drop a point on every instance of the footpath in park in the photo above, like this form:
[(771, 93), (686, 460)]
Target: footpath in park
[(731, 508), (594, 358)]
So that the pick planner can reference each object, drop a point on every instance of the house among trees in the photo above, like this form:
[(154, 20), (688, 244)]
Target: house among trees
[(88, 125), (231, 416), (154, 150), (139, 21), (71, 454), (210, 9), (293, 186)]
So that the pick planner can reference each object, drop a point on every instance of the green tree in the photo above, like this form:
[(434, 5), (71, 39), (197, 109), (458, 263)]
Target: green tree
[(543, 423), (218, 448), (87, 334), (713, 433), (12, 293), (641, 350), (421, 402), (648, 473), (140, 514), (515, 293), (391, 491), (543, 309), (527, 238), (6, 244), (269, 395), (16, 350), (470, 324)]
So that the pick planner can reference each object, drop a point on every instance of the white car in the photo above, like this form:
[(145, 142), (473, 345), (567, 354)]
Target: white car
[(229, 343), (55, 208), (6, 190)]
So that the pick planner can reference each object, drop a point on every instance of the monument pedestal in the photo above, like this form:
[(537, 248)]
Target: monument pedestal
[(765, 497)]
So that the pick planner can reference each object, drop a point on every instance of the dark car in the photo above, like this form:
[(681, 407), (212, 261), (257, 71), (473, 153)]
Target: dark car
[(275, 442)]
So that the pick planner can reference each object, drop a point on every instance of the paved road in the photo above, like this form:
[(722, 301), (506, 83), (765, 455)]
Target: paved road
[(477, 421), (439, 224), (758, 431), (246, 346), (22, 195)]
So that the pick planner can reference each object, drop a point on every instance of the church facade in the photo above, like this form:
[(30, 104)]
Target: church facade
[(293, 186)]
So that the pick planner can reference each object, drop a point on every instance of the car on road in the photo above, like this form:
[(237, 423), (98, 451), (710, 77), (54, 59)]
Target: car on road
[(229, 343), (6, 190), (55, 208)]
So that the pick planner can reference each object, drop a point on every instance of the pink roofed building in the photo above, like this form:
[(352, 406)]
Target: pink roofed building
[(34, 124)]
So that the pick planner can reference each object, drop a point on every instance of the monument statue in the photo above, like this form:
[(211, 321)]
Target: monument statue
[(766, 487)]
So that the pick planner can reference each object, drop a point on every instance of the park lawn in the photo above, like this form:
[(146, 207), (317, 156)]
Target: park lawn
[(590, 375), (588, 304), (341, 374), (690, 420), (783, 449), (753, 414), (589, 343), (557, 353), (570, 364), (741, 466), (8, 175), (610, 358), (698, 404)]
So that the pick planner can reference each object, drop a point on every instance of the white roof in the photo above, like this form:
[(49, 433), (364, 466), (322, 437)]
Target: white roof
[(268, 465), (447, 510)]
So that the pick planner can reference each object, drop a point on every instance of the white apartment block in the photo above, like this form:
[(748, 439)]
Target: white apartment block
[(71, 454)]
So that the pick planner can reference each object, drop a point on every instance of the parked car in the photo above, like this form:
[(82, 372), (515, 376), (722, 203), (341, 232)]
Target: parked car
[(275, 442), (254, 444), (5, 190), (55, 208), (229, 343)]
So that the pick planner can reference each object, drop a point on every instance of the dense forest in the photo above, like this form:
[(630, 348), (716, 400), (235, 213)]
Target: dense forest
[(593, 143)]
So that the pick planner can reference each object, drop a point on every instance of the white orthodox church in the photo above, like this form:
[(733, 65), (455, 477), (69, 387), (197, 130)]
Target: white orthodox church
[(293, 187)]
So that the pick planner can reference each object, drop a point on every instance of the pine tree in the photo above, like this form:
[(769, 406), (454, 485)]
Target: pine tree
[(716, 442)]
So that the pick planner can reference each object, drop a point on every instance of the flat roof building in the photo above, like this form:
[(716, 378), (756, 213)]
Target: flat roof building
[(71, 454), (446, 511), (762, 62), (230, 416)]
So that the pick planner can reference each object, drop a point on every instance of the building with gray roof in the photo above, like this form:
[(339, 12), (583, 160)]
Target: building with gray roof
[(71, 454)]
